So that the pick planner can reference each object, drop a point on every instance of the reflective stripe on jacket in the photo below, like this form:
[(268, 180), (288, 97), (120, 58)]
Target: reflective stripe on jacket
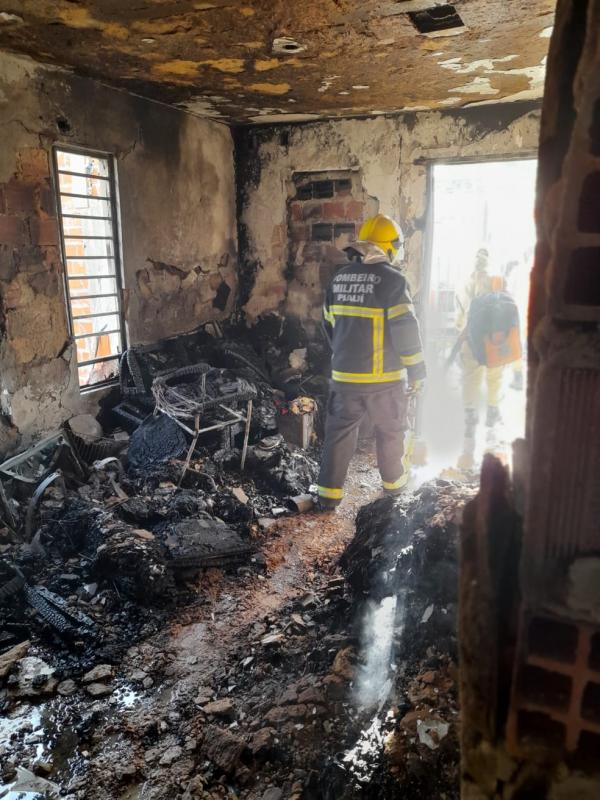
[(370, 323)]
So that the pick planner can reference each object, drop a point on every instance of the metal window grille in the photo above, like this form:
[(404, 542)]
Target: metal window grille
[(86, 197)]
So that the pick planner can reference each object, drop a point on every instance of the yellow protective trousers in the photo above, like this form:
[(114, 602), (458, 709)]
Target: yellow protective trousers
[(473, 375)]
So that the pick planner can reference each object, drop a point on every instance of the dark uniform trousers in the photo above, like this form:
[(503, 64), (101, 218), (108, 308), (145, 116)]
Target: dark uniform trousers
[(386, 409), (375, 341)]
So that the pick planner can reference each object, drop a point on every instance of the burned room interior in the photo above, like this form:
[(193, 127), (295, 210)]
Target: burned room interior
[(300, 400)]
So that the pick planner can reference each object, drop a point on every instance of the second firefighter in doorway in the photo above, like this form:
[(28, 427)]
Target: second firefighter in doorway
[(374, 335), (490, 340)]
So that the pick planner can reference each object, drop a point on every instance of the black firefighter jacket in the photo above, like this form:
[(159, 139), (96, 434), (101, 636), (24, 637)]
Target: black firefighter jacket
[(370, 323)]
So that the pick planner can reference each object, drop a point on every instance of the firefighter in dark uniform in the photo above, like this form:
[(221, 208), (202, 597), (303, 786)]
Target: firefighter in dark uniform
[(374, 335)]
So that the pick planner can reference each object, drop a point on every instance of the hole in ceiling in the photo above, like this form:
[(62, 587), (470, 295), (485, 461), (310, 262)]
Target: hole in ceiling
[(285, 45), (438, 18)]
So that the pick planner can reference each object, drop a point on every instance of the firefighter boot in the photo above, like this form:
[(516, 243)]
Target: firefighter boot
[(467, 458), (493, 421), (325, 506), (517, 381)]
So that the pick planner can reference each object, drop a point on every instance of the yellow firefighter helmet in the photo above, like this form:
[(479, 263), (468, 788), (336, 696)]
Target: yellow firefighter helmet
[(384, 232)]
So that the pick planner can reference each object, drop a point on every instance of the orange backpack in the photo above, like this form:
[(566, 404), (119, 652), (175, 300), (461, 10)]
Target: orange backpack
[(493, 329)]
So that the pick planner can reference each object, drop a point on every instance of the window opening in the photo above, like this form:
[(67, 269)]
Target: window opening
[(85, 186)]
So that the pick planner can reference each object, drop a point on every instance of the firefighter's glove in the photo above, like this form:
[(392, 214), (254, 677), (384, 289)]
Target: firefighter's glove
[(415, 387)]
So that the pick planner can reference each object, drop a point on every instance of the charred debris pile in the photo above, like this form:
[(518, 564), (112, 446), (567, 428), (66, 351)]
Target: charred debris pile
[(102, 523), (284, 715), (402, 572), (296, 720), (304, 720)]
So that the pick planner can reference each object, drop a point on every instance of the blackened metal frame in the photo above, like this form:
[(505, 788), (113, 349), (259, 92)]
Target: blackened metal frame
[(196, 431)]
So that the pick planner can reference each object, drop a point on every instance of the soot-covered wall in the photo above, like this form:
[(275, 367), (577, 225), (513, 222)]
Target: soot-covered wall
[(389, 159), (177, 206)]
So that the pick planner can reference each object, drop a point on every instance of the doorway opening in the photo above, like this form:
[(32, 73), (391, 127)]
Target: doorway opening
[(483, 240)]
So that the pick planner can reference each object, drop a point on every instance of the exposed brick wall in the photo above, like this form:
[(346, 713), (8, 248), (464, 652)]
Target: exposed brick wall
[(324, 214), (531, 704), (558, 709), (556, 692), (562, 518), (325, 211), (27, 210)]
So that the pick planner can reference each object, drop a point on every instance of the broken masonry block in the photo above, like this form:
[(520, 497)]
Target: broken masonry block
[(228, 751), (43, 231), (13, 231)]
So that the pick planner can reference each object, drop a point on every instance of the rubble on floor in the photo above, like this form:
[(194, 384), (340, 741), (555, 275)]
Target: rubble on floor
[(133, 660), (405, 551), (102, 530), (276, 711), (410, 547)]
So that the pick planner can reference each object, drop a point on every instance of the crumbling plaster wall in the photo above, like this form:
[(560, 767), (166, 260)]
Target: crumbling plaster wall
[(391, 154), (177, 205)]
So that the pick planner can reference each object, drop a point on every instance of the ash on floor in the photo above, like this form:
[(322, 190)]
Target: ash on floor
[(254, 693)]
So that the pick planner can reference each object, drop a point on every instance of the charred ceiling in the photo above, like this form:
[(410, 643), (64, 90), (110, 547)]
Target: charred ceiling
[(272, 60)]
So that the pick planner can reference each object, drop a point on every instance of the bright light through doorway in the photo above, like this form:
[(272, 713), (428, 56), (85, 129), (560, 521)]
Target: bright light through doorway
[(475, 205)]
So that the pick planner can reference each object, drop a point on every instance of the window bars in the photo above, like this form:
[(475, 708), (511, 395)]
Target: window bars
[(86, 197)]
